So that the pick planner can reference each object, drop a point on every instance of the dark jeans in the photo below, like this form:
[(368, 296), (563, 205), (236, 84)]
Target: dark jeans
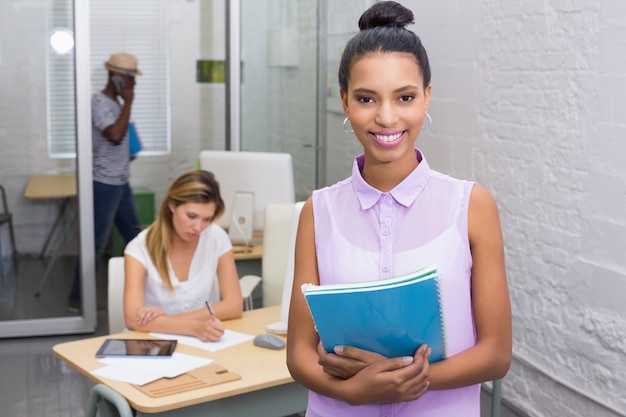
[(112, 204)]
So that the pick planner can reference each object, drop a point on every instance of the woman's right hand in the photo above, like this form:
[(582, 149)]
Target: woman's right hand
[(210, 330), (391, 380), (148, 313)]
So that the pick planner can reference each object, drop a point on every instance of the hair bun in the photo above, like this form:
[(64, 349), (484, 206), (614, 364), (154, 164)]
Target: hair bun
[(386, 13)]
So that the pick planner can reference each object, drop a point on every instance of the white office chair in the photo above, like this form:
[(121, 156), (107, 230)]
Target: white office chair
[(276, 252), (115, 290), (274, 260), (277, 248), (248, 283), (281, 326)]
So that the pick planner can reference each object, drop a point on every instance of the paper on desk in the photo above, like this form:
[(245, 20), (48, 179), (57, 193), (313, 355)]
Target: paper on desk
[(125, 375), (230, 338), (178, 364)]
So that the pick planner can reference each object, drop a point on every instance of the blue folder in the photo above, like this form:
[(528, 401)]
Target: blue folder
[(134, 141), (391, 316)]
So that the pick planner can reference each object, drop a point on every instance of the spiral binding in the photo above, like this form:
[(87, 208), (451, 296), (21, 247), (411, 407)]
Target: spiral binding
[(442, 321)]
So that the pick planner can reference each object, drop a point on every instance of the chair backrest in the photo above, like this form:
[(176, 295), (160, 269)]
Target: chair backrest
[(4, 200), (289, 270), (115, 291), (276, 241)]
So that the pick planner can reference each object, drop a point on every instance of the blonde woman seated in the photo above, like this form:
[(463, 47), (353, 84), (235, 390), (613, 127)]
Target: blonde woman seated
[(182, 261)]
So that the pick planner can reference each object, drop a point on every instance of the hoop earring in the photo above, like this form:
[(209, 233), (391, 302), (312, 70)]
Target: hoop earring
[(345, 128), (430, 121)]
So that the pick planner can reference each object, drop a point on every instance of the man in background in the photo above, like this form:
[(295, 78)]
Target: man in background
[(112, 196)]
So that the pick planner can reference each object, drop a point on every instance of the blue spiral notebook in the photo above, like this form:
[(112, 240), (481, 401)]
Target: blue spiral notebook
[(391, 316)]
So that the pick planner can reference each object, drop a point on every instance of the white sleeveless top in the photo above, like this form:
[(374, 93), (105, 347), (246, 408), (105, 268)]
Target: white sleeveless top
[(201, 285)]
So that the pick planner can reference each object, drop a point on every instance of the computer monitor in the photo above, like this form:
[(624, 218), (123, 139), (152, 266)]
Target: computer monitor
[(268, 175)]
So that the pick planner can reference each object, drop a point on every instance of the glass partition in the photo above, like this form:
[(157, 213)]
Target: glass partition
[(47, 61), (279, 83), (40, 108)]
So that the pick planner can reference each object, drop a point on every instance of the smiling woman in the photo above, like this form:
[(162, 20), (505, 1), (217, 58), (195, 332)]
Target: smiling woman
[(395, 215), (386, 113)]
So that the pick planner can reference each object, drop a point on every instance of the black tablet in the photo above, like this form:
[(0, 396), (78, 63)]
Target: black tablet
[(153, 348)]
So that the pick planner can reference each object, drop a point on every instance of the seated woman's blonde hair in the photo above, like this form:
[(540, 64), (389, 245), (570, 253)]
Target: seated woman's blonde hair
[(191, 187)]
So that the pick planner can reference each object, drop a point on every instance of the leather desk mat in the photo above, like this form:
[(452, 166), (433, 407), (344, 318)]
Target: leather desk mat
[(203, 377)]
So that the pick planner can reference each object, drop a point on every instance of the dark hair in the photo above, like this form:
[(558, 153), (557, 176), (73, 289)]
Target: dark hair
[(191, 187), (383, 30)]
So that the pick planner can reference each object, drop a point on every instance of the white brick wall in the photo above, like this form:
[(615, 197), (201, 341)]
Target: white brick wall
[(527, 99)]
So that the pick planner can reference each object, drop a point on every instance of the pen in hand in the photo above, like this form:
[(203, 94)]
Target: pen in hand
[(210, 310)]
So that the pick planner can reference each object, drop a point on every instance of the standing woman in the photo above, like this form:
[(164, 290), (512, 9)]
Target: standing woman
[(395, 215), (180, 263)]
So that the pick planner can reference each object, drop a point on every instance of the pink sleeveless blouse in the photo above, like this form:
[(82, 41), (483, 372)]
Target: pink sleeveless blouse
[(364, 234)]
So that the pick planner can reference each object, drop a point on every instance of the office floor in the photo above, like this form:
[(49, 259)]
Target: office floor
[(17, 294), (34, 383)]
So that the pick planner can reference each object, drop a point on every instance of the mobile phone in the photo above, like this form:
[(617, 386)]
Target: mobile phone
[(118, 81)]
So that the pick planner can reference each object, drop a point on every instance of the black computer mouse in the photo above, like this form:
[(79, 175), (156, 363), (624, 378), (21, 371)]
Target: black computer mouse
[(269, 341)]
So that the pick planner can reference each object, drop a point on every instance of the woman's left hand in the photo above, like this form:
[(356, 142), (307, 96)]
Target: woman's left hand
[(148, 313), (346, 361)]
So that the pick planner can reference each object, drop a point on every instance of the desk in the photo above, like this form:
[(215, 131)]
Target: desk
[(243, 254), (50, 186), (53, 187), (265, 388), (252, 252)]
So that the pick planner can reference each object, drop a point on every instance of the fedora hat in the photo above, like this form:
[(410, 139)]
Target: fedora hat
[(123, 63)]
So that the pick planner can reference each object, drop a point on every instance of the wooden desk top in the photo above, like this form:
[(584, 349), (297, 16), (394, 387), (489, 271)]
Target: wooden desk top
[(254, 252), (45, 186), (259, 368), (241, 253)]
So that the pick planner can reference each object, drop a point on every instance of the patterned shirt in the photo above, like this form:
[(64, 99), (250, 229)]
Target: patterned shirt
[(111, 162)]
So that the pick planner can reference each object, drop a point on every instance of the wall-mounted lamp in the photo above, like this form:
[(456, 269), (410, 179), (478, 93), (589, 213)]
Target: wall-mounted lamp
[(62, 40)]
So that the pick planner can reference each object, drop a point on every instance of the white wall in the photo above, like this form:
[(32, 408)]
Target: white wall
[(278, 99), (278, 102), (195, 124), (528, 99)]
